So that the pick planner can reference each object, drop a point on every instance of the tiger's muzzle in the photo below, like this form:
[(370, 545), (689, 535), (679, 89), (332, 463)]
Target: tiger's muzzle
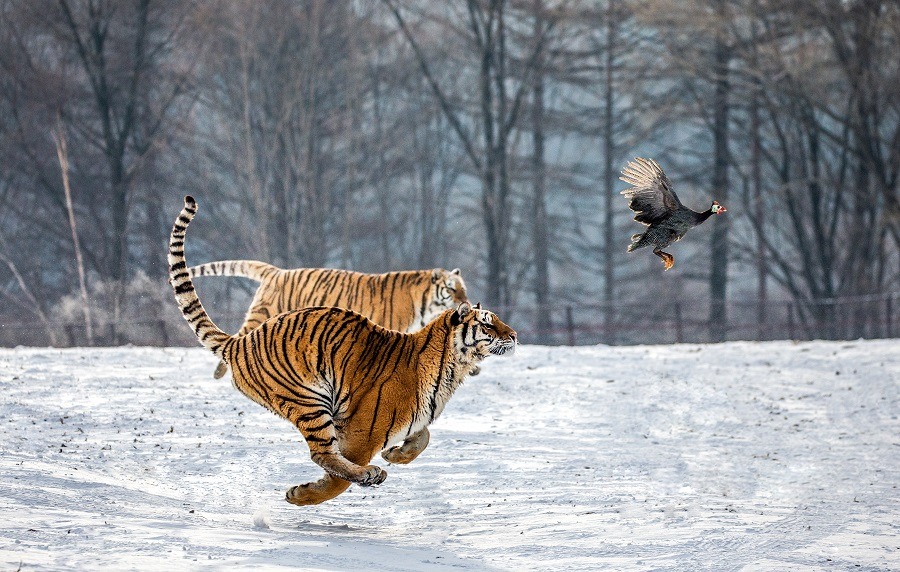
[(504, 347)]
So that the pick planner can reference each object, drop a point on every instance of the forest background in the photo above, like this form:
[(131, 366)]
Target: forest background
[(481, 134)]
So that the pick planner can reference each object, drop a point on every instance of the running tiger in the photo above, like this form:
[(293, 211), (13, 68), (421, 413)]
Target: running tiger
[(351, 387), (402, 301)]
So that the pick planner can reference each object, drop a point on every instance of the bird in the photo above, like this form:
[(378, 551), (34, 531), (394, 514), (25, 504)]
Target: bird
[(657, 206)]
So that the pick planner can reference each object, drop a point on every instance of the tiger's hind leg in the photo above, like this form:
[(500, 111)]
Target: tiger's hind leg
[(409, 449), (221, 370), (318, 430), (316, 492), (341, 468)]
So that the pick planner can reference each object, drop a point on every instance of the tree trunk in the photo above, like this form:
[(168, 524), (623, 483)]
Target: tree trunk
[(609, 176), (718, 280), (539, 207), (756, 180), (62, 153)]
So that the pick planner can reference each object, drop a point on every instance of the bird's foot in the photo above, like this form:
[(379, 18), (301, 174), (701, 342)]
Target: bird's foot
[(668, 259)]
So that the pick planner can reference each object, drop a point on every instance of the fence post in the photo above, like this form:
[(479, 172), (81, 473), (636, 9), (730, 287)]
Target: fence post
[(570, 325), (889, 315), (679, 326), (165, 334), (791, 321), (610, 321)]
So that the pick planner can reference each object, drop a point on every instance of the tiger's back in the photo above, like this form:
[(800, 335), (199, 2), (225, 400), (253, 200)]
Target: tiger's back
[(403, 301)]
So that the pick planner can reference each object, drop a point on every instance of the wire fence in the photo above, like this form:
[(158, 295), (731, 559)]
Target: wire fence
[(626, 323), (663, 322)]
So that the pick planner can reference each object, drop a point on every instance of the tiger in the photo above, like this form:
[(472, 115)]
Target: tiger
[(404, 301), (350, 386)]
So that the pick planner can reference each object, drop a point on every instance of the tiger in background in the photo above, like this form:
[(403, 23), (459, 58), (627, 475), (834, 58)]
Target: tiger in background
[(403, 301), (352, 387)]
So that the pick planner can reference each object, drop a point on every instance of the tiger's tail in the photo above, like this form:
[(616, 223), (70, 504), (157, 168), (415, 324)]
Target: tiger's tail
[(252, 269), (207, 332)]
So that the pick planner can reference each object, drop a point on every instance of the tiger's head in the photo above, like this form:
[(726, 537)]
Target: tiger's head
[(447, 291), (479, 333)]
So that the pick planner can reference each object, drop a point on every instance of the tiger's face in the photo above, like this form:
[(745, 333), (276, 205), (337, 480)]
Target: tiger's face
[(447, 291), (479, 333)]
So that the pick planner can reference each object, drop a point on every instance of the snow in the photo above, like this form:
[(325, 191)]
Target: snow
[(738, 456)]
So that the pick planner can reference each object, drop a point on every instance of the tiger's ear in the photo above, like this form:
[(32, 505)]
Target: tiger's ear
[(436, 275), (477, 306), (461, 311), (455, 271)]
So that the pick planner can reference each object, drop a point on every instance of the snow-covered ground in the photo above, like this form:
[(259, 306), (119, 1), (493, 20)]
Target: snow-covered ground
[(740, 456)]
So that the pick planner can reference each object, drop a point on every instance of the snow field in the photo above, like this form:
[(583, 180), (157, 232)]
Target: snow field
[(738, 456)]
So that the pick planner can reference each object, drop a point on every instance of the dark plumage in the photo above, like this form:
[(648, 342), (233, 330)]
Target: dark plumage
[(658, 207)]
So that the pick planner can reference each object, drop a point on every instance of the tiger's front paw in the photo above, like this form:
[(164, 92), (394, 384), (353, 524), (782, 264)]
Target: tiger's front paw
[(373, 476)]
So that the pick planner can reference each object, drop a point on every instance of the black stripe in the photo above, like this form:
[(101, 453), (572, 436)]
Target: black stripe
[(327, 423), (307, 417), (387, 435)]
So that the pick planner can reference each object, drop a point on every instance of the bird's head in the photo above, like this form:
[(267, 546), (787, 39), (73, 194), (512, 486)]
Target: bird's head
[(716, 208)]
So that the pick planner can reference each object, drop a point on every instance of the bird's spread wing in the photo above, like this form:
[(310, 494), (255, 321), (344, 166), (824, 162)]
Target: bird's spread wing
[(651, 195)]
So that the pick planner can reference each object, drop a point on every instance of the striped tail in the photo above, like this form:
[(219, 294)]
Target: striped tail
[(251, 269), (209, 335)]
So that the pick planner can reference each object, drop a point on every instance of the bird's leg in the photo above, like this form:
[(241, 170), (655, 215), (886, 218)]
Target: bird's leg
[(668, 259)]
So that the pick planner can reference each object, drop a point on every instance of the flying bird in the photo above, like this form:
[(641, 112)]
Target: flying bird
[(657, 206)]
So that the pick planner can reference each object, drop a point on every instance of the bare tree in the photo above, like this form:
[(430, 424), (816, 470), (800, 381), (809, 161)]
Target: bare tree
[(718, 279), (35, 306), (103, 69), (120, 52), (62, 152), (540, 231), (498, 113), (292, 122), (821, 218), (485, 134)]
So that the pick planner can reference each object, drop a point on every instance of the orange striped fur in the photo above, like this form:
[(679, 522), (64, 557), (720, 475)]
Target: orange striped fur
[(352, 387), (403, 301)]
